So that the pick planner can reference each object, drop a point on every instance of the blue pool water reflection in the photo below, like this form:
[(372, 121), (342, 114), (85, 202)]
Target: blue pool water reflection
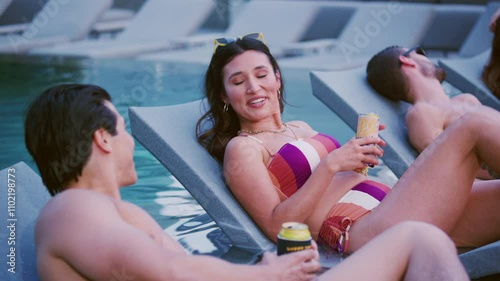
[(137, 83)]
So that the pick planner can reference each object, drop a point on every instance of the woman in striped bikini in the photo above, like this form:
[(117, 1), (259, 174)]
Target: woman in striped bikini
[(288, 172)]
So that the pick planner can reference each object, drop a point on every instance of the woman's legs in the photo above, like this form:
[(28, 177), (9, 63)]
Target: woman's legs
[(437, 187), (409, 251)]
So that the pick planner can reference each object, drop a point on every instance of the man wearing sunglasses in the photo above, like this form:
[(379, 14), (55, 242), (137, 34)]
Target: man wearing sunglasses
[(402, 74)]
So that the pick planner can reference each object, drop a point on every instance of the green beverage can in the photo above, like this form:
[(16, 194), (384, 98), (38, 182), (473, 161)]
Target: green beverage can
[(293, 237)]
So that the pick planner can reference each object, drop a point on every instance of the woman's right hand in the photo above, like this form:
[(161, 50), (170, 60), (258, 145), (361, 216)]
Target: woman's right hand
[(356, 154)]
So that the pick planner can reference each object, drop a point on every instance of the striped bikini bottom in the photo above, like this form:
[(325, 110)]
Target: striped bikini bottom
[(354, 205)]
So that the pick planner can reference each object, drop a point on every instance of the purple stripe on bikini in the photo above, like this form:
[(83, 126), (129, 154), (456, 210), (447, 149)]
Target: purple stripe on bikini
[(335, 141), (296, 160), (373, 191)]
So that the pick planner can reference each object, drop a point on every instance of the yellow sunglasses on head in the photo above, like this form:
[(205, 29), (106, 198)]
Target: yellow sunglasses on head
[(221, 42)]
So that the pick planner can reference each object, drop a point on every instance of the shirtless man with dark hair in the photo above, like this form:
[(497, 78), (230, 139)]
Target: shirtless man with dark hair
[(402, 74)]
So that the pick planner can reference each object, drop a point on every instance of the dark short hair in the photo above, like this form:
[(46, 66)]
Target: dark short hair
[(384, 74), (225, 125), (491, 71), (58, 130)]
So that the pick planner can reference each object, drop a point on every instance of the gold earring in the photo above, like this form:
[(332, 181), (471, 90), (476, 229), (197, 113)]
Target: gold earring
[(279, 93), (226, 108)]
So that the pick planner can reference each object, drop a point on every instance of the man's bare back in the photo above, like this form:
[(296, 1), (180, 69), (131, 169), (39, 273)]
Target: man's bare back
[(93, 218)]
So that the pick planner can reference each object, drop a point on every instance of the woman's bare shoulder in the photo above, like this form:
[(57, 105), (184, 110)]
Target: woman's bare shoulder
[(300, 124), (241, 146)]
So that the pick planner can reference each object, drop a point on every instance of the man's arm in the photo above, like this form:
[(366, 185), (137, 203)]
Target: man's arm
[(467, 100), (424, 125), (87, 233)]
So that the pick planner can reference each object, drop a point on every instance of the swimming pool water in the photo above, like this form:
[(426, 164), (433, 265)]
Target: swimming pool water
[(139, 83)]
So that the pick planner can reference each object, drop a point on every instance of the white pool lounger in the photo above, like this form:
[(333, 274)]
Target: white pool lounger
[(282, 23), (373, 27), (56, 23), (30, 196), (152, 29)]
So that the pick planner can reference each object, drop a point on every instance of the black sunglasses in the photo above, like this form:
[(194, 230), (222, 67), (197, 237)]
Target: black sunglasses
[(417, 50)]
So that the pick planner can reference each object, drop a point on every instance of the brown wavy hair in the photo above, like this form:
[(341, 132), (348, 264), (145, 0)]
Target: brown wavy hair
[(58, 131), (491, 72), (223, 126)]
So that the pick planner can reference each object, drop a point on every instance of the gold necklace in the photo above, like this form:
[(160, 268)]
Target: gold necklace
[(274, 131)]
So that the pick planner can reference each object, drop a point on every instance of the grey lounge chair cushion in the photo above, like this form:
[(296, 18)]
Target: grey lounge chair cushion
[(483, 261), (479, 39), (348, 93), (373, 27), (152, 29), (330, 20), (451, 26), (4, 4), (58, 21), (16, 10), (162, 20), (168, 132), (385, 24), (465, 74), (281, 22), (30, 196)]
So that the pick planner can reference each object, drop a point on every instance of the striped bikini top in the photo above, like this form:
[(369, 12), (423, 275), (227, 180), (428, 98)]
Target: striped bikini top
[(294, 162)]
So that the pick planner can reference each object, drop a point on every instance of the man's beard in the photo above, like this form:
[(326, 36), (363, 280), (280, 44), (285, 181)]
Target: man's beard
[(431, 70), (439, 73)]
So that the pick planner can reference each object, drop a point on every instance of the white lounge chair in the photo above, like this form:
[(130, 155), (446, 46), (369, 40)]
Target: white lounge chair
[(4, 4), (451, 25), (152, 29), (465, 75), (57, 22), (479, 38), (281, 22), (20, 11), (373, 27), (24, 202), (14, 20), (112, 21), (348, 93)]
